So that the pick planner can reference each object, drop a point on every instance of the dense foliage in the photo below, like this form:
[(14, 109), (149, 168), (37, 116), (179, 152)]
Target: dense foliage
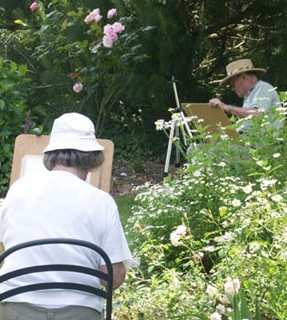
[(127, 87), (212, 242), (12, 114)]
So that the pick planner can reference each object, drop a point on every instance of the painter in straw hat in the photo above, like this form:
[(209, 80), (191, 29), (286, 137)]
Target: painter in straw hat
[(258, 96), (238, 67)]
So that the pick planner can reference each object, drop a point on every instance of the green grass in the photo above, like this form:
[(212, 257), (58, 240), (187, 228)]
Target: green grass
[(125, 204)]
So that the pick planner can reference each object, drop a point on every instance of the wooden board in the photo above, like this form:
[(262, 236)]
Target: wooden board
[(212, 117), (27, 159)]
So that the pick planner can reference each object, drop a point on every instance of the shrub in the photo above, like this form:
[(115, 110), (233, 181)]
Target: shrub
[(12, 119), (223, 219)]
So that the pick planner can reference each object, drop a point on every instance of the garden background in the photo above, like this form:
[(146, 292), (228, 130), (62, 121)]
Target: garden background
[(227, 206)]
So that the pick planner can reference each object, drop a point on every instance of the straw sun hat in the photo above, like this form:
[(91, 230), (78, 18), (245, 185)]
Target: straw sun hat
[(73, 131), (240, 66)]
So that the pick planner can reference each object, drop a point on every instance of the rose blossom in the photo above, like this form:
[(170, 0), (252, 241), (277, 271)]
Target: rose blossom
[(174, 239), (78, 87), (93, 16), (118, 27), (110, 32), (221, 309), (33, 6), (181, 230), (107, 41), (211, 291), (112, 13), (232, 287), (215, 316), (176, 235)]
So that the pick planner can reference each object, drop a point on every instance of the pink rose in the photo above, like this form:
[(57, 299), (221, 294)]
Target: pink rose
[(118, 27), (93, 16), (112, 13), (110, 32), (33, 6), (78, 87), (108, 29), (107, 41)]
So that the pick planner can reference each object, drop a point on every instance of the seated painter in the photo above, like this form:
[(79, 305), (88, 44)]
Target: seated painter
[(258, 96), (59, 203)]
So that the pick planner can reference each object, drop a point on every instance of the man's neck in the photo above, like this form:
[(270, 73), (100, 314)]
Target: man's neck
[(253, 81), (80, 173)]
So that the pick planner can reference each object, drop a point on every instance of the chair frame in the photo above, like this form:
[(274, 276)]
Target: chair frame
[(105, 293)]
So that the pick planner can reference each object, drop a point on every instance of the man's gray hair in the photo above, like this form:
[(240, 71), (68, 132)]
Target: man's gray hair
[(73, 158)]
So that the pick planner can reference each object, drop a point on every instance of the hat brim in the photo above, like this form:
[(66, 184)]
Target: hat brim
[(224, 80), (87, 146)]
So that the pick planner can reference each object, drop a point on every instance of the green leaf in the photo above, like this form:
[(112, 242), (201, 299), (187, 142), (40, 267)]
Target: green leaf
[(2, 104), (244, 310), (64, 25), (44, 28), (71, 13), (7, 85), (150, 269), (283, 95), (13, 66), (23, 69), (257, 309), (222, 212), (148, 28)]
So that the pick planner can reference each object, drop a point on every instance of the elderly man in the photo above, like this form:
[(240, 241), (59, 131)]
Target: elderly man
[(60, 203), (258, 96)]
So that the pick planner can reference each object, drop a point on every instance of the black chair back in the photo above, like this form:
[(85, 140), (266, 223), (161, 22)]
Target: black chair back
[(104, 292)]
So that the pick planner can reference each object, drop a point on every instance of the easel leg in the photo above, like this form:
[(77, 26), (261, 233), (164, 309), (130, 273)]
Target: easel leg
[(168, 153), (177, 154), (175, 129)]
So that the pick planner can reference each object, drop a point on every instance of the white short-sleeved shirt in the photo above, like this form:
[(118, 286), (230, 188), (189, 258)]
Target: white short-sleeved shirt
[(59, 204)]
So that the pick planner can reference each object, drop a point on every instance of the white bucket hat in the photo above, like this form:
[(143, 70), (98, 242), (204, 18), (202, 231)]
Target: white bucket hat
[(73, 131)]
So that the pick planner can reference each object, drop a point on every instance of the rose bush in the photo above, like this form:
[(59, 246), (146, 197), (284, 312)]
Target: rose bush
[(65, 45)]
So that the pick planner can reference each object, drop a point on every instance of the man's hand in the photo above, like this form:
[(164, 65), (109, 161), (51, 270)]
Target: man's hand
[(119, 272), (232, 110), (218, 103)]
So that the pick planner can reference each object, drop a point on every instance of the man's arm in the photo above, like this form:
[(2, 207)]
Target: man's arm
[(119, 272), (233, 110)]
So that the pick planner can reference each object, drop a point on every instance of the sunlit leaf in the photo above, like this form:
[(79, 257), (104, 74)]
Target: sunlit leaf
[(18, 21)]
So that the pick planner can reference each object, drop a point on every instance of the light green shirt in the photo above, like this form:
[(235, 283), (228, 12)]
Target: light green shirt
[(263, 97)]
